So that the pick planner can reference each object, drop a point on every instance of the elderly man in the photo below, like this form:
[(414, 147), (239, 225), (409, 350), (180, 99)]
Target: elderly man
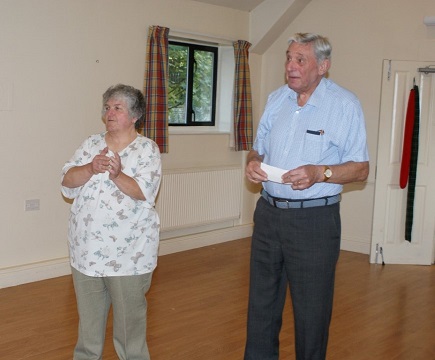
[(313, 134)]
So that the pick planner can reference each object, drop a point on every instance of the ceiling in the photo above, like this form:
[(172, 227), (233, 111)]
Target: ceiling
[(244, 5)]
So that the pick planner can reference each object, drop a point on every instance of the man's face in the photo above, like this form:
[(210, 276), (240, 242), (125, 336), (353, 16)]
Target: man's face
[(303, 72)]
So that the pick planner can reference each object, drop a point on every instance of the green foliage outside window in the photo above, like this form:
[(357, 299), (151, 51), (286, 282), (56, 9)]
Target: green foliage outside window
[(192, 84)]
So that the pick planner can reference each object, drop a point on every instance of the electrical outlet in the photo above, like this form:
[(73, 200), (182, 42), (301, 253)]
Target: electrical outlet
[(32, 205)]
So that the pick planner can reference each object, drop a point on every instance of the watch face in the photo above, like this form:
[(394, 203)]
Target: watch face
[(328, 173)]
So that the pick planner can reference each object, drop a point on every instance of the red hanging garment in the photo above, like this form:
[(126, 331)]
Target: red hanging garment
[(407, 140)]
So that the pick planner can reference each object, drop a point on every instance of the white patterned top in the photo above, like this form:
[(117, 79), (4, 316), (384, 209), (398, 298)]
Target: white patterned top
[(110, 233)]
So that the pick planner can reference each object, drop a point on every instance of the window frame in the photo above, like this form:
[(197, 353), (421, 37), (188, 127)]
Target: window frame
[(192, 47)]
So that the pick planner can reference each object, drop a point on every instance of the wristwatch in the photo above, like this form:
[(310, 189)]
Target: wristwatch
[(327, 173)]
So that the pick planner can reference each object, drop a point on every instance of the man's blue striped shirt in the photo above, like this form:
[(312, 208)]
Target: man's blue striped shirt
[(328, 130)]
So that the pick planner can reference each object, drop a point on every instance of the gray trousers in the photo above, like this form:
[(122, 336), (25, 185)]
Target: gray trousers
[(299, 248), (94, 297)]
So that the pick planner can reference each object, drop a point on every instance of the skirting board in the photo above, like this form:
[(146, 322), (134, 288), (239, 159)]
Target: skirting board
[(358, 245), (189, 242), (34, 272), (54, 268), (60, 267)]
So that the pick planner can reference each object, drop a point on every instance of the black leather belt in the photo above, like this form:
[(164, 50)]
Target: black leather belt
[(299, 204)]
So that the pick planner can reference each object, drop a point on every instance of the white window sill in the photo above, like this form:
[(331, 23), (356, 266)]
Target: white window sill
[(196, 130)]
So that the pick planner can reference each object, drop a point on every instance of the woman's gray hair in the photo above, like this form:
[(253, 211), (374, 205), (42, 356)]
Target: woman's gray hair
[(321, 45), (133, 97)]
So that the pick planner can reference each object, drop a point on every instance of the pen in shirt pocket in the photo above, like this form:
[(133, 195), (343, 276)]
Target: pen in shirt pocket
[(316, 132)]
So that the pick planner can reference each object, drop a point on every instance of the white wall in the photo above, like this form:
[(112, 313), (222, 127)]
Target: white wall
[(57, 57)]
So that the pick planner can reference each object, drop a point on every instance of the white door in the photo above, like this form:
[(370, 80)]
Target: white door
[(389, 213)]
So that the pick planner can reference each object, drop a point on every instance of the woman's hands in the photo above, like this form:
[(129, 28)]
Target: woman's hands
[(102, 163), (115, 167)]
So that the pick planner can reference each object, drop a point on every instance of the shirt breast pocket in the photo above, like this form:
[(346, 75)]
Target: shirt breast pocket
[(312, 146)]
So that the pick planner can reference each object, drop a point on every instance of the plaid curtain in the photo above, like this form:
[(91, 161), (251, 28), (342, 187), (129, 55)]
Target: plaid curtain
[(242, 97), (156, 87)]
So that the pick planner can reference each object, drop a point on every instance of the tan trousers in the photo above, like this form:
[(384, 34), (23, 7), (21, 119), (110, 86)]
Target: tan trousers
[(126, 294)]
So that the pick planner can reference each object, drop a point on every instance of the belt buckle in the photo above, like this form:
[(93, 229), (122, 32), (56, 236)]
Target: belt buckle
[(287, 203), (279, 203), (292, 204)]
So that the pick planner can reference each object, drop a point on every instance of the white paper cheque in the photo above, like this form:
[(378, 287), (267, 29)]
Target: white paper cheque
[(273, 173)]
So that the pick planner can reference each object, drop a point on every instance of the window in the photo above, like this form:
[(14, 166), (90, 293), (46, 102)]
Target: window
[(192, 84)]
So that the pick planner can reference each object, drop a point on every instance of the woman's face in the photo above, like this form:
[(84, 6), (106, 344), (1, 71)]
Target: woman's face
[(116, 115)]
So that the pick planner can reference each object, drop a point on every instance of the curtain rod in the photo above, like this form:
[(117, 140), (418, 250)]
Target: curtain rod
[(427, 69), (199, 36)]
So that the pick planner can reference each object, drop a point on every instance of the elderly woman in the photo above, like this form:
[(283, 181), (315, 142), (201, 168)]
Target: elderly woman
[(114, 178)]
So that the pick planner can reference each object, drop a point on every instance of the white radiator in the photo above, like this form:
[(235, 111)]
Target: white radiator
[(196, 197)]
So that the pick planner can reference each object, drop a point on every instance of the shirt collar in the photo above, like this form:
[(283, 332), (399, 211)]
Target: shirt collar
[(315, 97)]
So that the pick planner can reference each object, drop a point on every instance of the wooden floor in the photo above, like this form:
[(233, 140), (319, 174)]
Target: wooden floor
[(197, 311)]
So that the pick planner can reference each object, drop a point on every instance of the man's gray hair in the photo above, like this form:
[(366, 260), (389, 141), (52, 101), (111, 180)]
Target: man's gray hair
[(321, 45)]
